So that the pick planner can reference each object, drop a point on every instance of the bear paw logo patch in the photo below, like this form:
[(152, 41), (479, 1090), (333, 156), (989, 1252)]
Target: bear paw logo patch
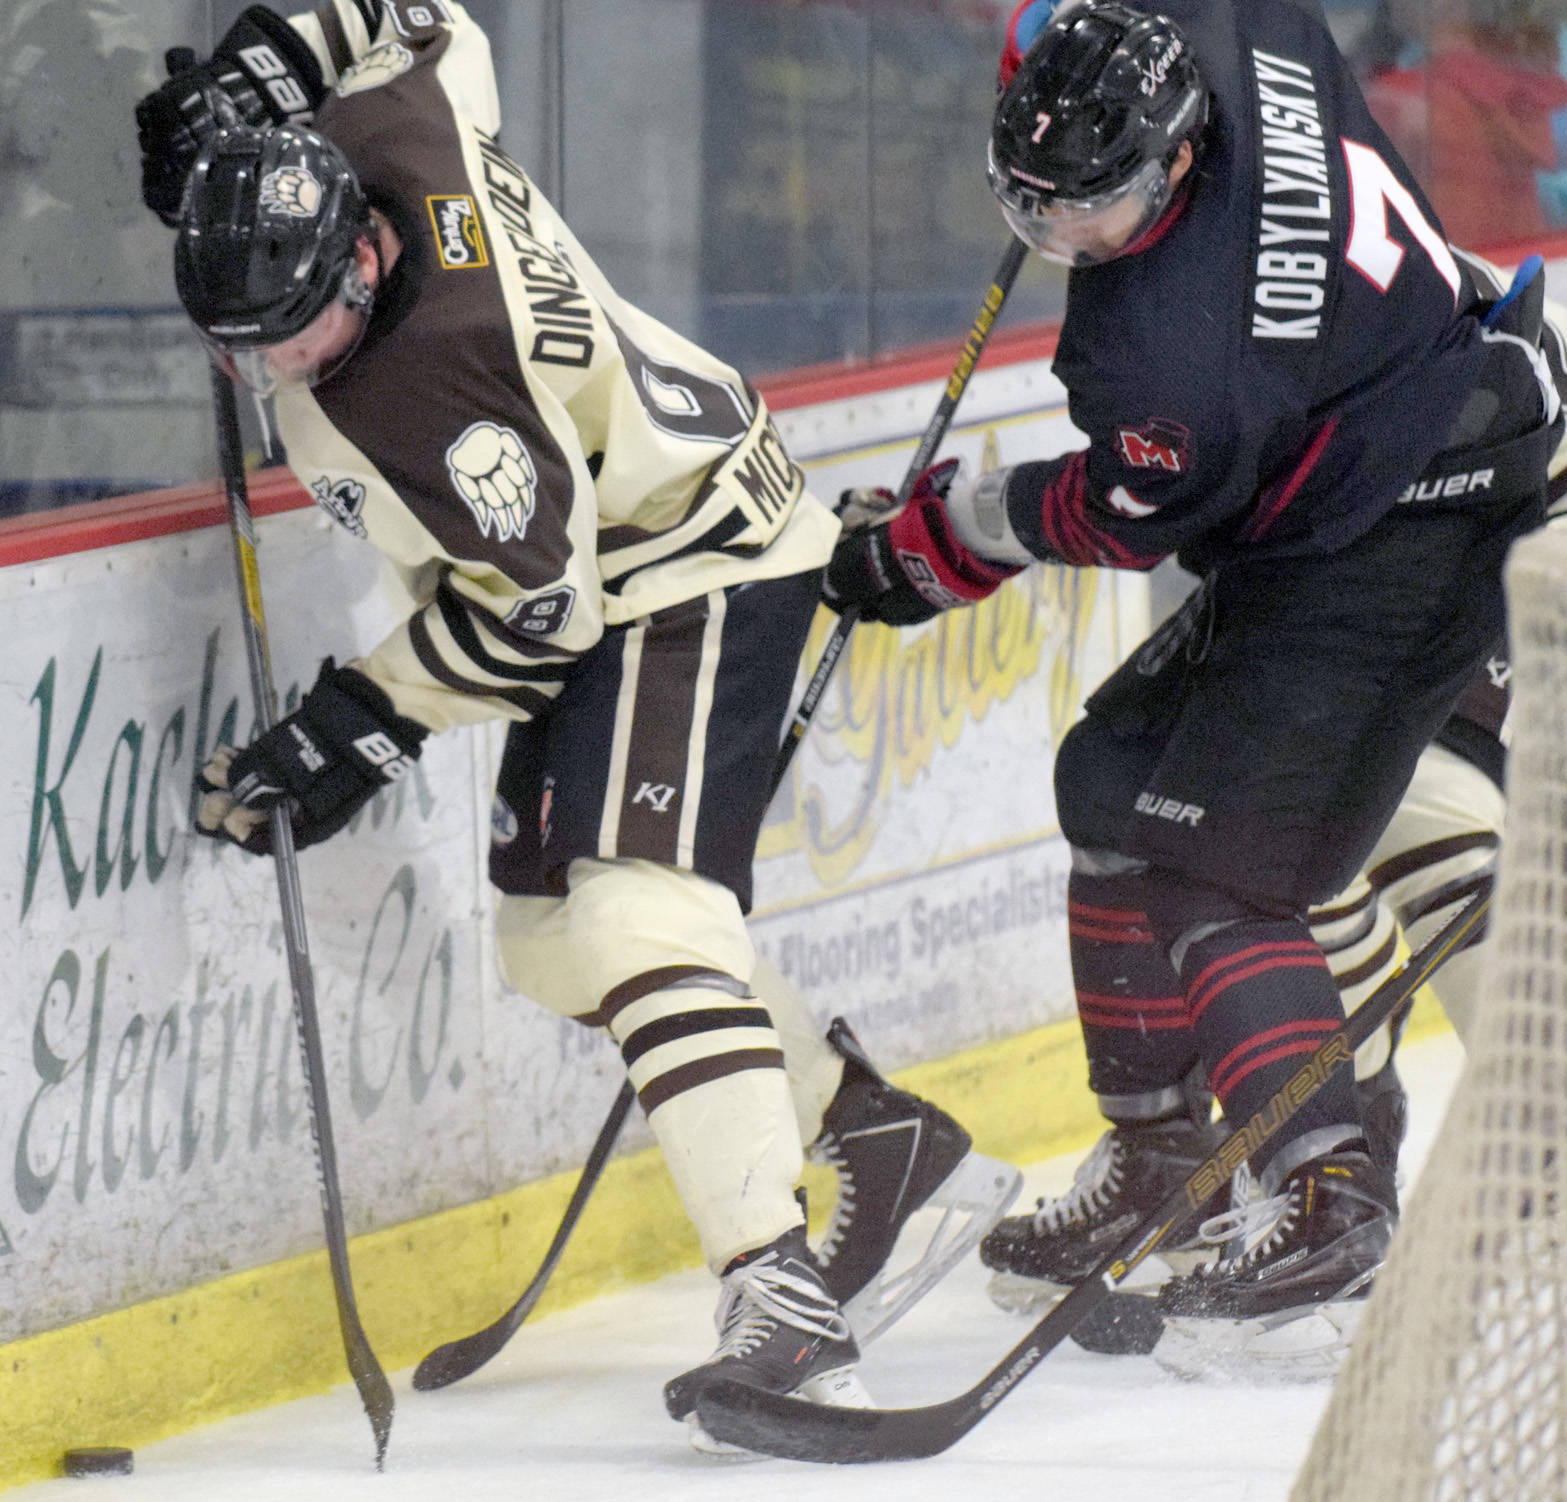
[(494, 474), (380, 65), (294, 192)]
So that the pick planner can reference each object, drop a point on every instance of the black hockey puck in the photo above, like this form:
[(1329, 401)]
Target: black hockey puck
[(1125, 1324), (99, 1460)]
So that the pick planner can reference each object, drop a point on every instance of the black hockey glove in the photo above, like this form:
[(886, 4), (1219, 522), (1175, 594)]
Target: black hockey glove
[(263, 67), (912, 567), (327, 759)]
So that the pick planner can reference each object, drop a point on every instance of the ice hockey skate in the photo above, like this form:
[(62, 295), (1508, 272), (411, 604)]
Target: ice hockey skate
[(1132, 1169), (778, 1328), (1285, 1300), (894, 1155)]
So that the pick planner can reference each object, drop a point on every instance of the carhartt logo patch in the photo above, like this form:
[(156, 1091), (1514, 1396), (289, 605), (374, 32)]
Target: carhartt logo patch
[(459, 237)]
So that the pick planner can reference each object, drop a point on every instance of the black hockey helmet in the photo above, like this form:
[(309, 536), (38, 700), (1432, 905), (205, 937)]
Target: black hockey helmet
[(1094, 116), (267, 236)]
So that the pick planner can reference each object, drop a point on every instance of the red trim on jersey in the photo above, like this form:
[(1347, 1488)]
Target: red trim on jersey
[(1111, 925), (1069, 531), (1271, 503)]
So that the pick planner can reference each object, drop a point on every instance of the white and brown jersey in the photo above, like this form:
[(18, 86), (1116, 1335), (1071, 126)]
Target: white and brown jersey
[(541, 459)]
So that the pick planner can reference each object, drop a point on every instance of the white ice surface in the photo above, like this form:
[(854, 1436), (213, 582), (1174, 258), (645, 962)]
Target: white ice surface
[(572, 1410)]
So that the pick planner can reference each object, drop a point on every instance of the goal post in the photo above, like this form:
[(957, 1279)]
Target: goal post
[(1456, 1387)]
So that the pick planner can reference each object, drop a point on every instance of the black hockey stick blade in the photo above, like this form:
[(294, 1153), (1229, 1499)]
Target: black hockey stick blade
[(775, 1424), (375, 1392), (461, 1358)]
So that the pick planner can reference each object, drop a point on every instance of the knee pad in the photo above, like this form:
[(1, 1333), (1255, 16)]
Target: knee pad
[(1182, 911), (630, 918), (535, 957)]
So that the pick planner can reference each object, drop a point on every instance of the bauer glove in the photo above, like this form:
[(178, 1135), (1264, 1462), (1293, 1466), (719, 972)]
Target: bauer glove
[(912, 567), (326, 760), (264, 69)]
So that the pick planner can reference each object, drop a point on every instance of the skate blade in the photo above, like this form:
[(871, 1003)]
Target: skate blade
[(1308, 1345), (1014, 1294), (971, 1199), (836, 1389)]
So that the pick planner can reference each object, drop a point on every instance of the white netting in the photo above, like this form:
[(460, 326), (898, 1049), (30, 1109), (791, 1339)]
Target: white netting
[(1457, 1384)]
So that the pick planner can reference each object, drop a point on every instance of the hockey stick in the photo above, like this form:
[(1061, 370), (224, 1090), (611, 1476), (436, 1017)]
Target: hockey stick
[(461, 1358), (935, 431), (374, 1390), (774, 1424)]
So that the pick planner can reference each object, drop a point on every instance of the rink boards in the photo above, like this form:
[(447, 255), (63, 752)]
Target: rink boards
[(158, 1217)]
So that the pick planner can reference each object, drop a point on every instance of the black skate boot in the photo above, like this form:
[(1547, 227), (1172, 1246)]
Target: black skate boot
[(779, 1329), (1132, 1169), (895, 1154), (1287, 1297), (1384, 1112)]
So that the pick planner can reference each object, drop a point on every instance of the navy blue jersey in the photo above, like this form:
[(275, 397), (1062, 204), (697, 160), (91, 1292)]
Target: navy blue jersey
[(1292, 348)]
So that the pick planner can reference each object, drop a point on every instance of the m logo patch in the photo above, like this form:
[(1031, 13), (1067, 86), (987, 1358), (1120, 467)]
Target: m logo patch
[(291, 191), (342, 500), (459, 239), (1157, 444)]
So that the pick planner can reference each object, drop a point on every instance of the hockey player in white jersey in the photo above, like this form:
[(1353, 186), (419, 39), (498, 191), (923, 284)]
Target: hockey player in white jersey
[(608, 547)]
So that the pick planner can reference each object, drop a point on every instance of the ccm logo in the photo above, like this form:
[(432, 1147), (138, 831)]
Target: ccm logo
[(1169, 808), (1440, 489), (384, 754)]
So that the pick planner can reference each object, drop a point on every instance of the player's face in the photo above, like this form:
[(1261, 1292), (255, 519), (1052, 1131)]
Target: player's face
[(1086, 234), (322, 345), (319, 349)]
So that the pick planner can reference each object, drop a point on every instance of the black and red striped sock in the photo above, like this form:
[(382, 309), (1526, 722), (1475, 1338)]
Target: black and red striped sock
[(1128, 996), (1262, 1000)]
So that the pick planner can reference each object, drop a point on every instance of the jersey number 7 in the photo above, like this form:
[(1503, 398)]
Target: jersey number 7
[(1373, 190)]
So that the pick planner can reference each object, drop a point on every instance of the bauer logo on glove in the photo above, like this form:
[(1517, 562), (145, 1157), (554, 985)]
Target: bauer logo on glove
[(326, 761)]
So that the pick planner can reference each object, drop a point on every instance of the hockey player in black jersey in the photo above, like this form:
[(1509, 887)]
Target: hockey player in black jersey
[(1288, 381), (608, 548)]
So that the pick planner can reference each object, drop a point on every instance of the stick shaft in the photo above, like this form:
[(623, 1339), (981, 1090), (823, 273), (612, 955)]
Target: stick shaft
[(924, 452), (368, 1376)]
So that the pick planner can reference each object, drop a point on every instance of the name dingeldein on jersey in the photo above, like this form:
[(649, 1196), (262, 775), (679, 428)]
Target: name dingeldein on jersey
[(556, 300)]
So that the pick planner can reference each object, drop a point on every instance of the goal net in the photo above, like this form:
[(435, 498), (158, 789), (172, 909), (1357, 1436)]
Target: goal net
[(1456, 1387)]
